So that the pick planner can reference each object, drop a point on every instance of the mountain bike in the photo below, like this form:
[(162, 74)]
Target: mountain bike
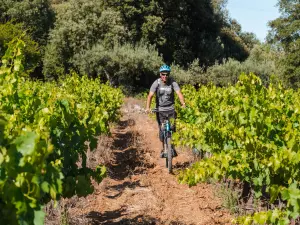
[(167, 130)]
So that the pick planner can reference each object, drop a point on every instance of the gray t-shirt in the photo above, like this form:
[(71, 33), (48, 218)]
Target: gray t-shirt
[(164, 94)]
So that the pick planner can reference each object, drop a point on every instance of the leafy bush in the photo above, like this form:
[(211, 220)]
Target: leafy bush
[(225, 73), (262, 62), (193, 75), (125, 65)]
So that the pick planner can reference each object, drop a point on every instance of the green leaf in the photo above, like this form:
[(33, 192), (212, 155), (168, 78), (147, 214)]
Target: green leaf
[(25, 144), (100, 173), (39, 217), (248, 220), (260, 218), (284, 221), (45, 187), (17, 65), (65, 103), (274, 191), (242, 119), (285, 194)]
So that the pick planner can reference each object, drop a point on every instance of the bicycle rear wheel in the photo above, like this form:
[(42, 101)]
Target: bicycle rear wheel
[(169, 156), (166, 151)]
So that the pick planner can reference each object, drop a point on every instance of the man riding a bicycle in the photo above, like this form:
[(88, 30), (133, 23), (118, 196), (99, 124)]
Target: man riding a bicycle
[(164, 88)]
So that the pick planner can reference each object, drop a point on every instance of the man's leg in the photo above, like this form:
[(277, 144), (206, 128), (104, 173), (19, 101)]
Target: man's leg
[(162, 116), (160, 132)]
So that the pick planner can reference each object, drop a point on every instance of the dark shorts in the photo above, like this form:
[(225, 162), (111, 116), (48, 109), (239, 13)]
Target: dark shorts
[(161, 117)]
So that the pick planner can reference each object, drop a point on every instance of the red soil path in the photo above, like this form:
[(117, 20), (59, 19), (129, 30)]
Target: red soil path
[(138, 188)]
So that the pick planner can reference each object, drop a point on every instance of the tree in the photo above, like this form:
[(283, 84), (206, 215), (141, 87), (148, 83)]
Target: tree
[(235, 26), (182, 30), (131, 67), (80, 24), (249, 39), (36, 15), (285, 32)]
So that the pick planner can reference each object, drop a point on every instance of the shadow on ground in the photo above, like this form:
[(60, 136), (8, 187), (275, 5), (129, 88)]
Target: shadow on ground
[(129, 155), (181, 165), (121, 187), (115, 218)]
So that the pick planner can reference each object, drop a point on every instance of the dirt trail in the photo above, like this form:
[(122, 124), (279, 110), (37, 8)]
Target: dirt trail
[(138, 189)]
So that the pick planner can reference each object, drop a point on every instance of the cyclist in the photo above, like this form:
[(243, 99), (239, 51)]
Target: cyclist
[(164, 88)]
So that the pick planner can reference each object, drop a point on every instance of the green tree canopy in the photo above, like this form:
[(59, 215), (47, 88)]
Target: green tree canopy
[(36, 15), (183, 30), (80, 24), (285, 33), (126, 65)]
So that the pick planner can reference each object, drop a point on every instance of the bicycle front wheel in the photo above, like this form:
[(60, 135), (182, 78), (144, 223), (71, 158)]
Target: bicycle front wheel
[(169, 156)]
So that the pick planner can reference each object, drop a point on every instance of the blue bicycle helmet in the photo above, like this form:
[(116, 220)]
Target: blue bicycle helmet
[(165, 68)]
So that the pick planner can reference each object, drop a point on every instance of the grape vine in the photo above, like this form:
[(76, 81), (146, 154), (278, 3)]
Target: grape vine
[(254, 134), (44, 128)]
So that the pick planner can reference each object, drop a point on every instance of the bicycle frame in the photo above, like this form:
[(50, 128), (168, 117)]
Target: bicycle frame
[(167, 128)]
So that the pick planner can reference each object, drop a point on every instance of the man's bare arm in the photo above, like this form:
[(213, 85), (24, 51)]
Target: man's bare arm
[(181, 98), (149, 99)]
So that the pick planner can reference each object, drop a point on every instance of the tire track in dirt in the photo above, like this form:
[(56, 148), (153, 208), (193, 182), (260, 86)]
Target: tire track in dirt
[(138, 189)]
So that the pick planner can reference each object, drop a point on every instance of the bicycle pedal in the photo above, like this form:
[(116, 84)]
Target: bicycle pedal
[(174, 153)]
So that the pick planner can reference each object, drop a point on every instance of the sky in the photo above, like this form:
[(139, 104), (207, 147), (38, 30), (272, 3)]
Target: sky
[(253, 15)]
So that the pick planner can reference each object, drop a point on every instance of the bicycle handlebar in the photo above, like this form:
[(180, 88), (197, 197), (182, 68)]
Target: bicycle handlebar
[(155, 110)]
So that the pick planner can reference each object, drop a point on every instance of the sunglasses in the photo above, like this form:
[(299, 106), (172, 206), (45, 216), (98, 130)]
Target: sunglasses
[(164, 74)]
